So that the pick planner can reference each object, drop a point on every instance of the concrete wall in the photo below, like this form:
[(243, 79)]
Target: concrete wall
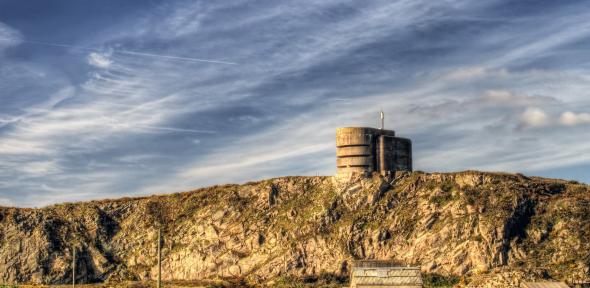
[(386, 277), (367, 150), (355, 149), (397, 153)]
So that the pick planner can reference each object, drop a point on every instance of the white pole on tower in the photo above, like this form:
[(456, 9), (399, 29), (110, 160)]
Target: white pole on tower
[(382, 120)]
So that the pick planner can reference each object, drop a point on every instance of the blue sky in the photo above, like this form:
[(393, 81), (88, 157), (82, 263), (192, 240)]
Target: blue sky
[(102, 99)]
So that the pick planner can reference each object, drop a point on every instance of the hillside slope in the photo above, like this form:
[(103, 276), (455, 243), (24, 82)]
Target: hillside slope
[(475, 225)]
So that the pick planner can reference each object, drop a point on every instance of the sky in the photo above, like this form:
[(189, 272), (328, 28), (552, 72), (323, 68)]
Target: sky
[(105, 99)]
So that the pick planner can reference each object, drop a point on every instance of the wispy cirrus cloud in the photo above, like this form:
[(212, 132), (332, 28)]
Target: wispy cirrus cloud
[(9, 36), (100, 60)]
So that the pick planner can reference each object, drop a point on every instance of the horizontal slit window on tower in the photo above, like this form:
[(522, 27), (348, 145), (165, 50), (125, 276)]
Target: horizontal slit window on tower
[(346, 166), (352, 145), (356, 155)]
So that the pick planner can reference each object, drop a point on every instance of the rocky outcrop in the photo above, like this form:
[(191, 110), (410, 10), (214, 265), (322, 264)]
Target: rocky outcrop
[(472, 225)]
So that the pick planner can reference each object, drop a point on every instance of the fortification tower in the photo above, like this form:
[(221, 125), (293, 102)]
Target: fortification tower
[(366, 150)]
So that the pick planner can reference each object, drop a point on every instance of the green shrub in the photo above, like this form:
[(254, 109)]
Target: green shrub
[(439, 281), (289, 281), (447, 186), (441, 200)]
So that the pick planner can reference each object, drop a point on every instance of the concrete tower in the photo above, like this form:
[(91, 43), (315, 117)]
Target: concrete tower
[(367, 150)]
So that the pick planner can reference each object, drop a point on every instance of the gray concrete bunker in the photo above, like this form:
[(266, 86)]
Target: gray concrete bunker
[(367, 150)]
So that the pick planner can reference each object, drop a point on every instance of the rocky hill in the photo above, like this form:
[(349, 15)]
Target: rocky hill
[(469, 228)]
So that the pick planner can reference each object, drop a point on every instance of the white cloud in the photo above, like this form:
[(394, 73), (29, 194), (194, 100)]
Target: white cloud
[(546, 37), (39, 168), (100, 60), (468, 73), (535, 117), (176, 20), (500, 96), (511, 99), (132, 98), (572, 119), (6, 202), (185, 20), (16, 146), (9, 36)]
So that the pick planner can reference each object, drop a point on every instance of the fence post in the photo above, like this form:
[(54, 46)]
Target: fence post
[(74, 268), (160, 257)]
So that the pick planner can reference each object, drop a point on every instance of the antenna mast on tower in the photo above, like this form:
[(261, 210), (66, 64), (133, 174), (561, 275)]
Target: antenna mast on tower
[(382, 120)]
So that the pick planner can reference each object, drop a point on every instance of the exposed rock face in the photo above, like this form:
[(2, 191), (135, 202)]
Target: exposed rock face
[(470, 224)]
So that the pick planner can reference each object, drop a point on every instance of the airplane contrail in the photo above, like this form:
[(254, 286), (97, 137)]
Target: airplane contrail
[(124, 52), (178, 129), (175, 57), (163, 128)]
